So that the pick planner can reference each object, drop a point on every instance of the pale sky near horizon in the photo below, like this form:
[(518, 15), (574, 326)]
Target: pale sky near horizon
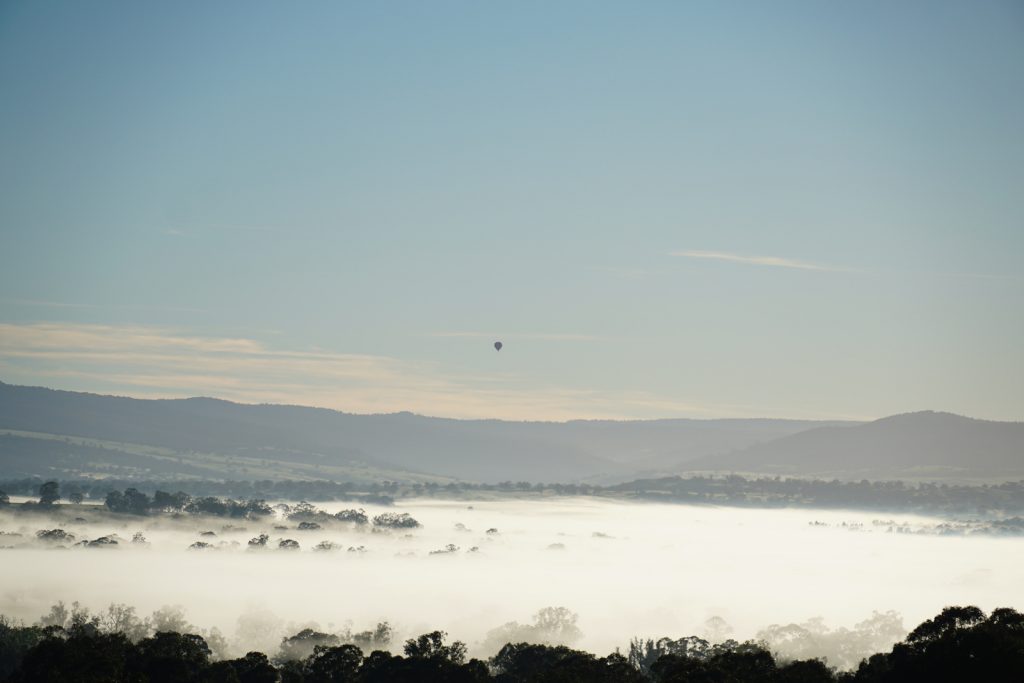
[(792, 209)]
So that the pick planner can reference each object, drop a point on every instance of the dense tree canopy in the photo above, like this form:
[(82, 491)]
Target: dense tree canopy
[(1006, 498), (134, 502), (959, 644), (49, 493)]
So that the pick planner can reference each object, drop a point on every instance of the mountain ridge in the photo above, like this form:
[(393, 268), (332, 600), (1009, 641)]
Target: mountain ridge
[(117, 435), (922, 443), (486, 450)]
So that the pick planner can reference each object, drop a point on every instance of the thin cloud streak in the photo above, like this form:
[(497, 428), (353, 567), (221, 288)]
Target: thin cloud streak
[(774, 261), (158, 362)]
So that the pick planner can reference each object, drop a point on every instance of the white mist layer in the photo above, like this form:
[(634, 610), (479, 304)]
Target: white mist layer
[(654, 570)]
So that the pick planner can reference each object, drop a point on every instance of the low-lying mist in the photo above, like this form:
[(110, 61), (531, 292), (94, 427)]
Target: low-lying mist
[(811, 582)]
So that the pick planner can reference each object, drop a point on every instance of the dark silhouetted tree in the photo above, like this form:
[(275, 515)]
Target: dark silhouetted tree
[(79, 656), (804, 671), (337, 664), (303, 643), (169, 657), (353, 516), (431, 646), (15, 642), (49, 493), (959, 644), (395, 520), (254, 667)]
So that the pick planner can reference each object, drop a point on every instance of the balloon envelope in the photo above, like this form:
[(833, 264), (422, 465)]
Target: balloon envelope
[(497, 346)]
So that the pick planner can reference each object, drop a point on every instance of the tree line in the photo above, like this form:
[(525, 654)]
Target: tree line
[(1006, 497), (959, 644), (730, 489), (132, 501)]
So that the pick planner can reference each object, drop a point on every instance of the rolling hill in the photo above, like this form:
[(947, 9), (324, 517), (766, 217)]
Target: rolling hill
[(48, 433), (928, 445)]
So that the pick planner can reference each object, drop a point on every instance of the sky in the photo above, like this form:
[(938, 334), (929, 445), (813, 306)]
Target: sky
[(706, 209)]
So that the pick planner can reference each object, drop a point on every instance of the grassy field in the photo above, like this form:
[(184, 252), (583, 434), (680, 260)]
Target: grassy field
[(63, 456)]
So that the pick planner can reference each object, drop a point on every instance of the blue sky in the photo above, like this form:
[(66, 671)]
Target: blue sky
[(663, 209)]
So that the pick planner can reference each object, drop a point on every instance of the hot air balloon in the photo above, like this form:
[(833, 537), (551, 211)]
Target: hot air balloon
[(497, 346)]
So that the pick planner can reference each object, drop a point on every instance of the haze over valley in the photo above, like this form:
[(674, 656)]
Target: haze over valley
[(464, 342), (623, 569)]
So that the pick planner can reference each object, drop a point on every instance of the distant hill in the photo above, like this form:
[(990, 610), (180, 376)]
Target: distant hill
[(46, 432), (913, 445)]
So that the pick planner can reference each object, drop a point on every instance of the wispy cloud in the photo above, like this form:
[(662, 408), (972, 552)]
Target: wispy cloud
[(157, 362), (774, 261)]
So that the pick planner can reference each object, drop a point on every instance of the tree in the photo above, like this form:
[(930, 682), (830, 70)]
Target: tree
[(254, 667), (49, 493), (208, 506), (122, 619), (303, 511), (54, 535), (841, 647), (959, 644), (79, 657), (395, 520), (170, 501), (224, 672), (114, 501), (172, 657), (259, 541), (525, 663), (338, 664), (379, 667), (171, 618), (557, 624), (716, 629), (551, 626), (948, 621), (15, 642), (642, 654), (805, 671), (355, 516), (257, 507), (136, 502), (379, 637), (431, 646), (304, 643), (57, 616), (132, 502)]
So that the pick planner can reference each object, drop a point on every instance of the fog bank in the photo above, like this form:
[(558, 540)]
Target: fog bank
[(626, 569)]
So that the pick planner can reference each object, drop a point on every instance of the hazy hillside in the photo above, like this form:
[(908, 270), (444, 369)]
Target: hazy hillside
[(925, 444), (208, 437)]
